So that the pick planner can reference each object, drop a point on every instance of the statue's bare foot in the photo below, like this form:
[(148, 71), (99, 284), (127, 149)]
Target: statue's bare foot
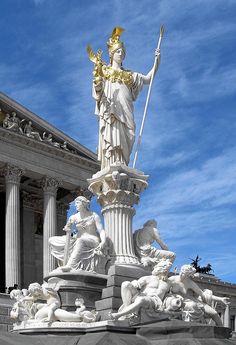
[(65, 268), (113, 316)]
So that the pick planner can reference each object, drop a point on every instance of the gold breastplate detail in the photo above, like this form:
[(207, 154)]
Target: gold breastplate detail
[(120, 76)]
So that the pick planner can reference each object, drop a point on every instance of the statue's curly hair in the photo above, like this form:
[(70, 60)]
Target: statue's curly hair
[(188, 269), (84, 201)]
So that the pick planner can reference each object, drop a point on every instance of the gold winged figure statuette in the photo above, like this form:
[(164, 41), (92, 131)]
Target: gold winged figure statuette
[(98, 64)]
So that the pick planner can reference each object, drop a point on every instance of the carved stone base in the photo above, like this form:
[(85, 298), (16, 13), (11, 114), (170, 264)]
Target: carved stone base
[(120, 332), (82, 284), (34, 327), (176, 332)]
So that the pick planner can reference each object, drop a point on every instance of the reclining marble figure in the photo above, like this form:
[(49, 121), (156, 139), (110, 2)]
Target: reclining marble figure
[(196, 303), (87, 249), (143, 239), (148, 292), (179, 293)]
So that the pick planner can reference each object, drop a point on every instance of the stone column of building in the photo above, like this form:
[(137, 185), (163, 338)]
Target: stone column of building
[(50, 186), (12, 243), (28, 241), (62, 209), (227, 316), (117, 190)]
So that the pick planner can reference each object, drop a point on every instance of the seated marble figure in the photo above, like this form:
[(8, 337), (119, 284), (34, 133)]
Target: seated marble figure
[(87, 249), (143, 240)]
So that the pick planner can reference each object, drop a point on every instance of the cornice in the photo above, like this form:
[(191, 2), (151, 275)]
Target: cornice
[(38, 146), (9, 105)]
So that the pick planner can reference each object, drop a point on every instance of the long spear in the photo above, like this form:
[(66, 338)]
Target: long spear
[(148, 97)]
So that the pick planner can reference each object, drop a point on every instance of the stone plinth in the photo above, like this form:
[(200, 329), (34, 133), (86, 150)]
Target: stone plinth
[(177, 332), (120, 332), (81, 284), (111, 294), (117, 189)]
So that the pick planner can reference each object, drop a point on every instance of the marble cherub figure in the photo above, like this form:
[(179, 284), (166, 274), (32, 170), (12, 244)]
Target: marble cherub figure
[(41, 303), (115, 89), (45, 311)]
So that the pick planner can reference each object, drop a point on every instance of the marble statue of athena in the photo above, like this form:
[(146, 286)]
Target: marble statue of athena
[(115, 89)]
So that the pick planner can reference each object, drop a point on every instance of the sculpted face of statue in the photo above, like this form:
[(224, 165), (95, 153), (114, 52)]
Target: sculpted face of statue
[(118, 56), (82, 203)]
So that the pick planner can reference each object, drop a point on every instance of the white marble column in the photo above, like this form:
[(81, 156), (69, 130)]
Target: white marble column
[(28, 240), (227, 316), (12, 241), (50, 186), (117, 190), (118, 226)]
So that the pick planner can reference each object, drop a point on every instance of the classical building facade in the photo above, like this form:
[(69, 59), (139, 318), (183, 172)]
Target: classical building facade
[(41, 171)]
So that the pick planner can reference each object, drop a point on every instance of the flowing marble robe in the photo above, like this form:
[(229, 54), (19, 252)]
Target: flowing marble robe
[(82, 250), (114, 106)]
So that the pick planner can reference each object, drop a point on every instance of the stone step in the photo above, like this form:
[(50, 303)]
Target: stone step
[(111, 291), (108, 303), (5, 308)]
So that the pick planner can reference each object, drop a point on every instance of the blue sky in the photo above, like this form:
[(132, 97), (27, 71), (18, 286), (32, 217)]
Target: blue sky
[(188, 145)]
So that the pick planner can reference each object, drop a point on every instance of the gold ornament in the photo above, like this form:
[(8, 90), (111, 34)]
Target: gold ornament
[(98, 64), (120, 76), (101, 70), (114, 42)]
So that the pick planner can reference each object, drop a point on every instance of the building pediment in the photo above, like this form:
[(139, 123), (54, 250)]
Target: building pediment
[(22, 125)]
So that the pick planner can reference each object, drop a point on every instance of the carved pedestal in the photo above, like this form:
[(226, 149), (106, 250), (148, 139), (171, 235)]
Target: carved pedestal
[(117, 189), (81, 284)]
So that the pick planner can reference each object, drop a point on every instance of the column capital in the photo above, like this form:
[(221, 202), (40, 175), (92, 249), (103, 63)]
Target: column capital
[(50, 184), (12, 173), (119, 184)]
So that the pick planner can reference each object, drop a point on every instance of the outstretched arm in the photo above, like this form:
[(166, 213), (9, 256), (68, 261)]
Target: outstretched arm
[(157, 238), (225, 300), (196, 289), (147, 78)]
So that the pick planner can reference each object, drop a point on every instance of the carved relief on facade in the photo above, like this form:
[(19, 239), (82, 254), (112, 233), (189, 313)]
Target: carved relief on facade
[(12, 122)]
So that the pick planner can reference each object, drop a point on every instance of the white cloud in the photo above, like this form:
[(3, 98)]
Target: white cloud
[(195, 200)]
